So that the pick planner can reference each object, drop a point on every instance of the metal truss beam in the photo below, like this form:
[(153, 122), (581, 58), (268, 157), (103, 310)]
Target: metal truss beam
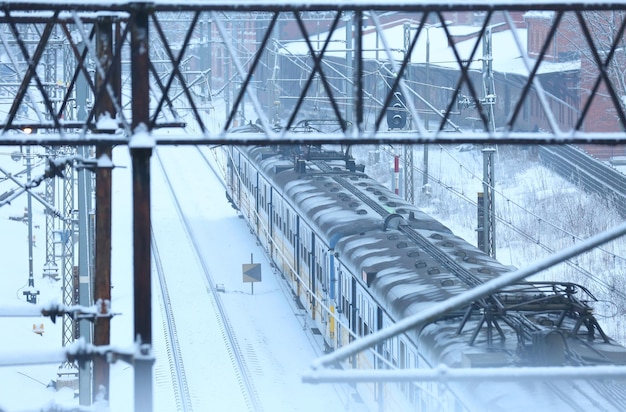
[(290, 5), (345, 80)]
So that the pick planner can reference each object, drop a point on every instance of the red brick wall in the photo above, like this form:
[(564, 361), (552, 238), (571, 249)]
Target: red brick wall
[(539, 24)]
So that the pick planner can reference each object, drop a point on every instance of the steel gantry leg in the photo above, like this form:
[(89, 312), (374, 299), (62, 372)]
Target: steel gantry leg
[(68, 370)]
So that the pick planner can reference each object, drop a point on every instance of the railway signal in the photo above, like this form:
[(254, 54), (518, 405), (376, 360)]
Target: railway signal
[(396, 112)]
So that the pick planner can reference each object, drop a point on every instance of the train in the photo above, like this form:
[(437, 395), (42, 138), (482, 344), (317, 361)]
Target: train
[(359, 258)]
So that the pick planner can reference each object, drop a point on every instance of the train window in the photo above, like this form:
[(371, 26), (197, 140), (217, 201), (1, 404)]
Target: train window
[(413, 391), (267, 199), (276, 211), (363, 316), (262, 195), (294, 226), (386, 351), (359, 310), (394, 351), (307, 237)]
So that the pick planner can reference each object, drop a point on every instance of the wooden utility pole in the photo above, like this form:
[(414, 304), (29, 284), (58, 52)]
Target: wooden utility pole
[(141, 151), (104, 106)]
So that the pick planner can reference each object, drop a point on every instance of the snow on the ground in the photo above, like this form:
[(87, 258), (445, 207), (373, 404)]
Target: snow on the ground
[(271, 336), (25, 387)]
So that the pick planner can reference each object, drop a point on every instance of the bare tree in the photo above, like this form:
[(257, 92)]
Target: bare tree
[(596, 38)]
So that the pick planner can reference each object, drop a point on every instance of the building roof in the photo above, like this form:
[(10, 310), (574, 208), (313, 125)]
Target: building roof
[(433, 47)]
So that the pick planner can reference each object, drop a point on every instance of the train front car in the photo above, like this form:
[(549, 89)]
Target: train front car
[(414, 261), (359, 258)]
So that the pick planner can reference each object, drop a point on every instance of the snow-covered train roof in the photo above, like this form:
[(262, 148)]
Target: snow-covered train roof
[(396, 270), (386, 243)]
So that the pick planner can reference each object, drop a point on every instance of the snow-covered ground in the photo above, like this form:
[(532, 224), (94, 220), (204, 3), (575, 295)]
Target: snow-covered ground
[(25, 387), (269, 333), (276, 342)]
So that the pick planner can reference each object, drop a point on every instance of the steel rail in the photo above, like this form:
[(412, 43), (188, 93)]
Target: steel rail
[(244, 378), (177, 367)]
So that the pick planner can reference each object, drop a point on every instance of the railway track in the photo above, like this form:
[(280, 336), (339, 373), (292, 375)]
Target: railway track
[(214, 308), (182, 396)]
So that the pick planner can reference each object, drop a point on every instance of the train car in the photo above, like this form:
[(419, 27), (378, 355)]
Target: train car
[(359, 258)]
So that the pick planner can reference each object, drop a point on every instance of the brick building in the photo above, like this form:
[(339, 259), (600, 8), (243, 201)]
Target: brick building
[(570, 45)]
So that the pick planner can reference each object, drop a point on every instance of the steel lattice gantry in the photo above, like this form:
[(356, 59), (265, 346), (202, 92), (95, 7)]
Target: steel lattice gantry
[(338, 90), (153, 65)]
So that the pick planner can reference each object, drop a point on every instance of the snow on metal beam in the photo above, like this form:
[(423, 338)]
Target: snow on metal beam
[(443, 373), (239, 5)]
